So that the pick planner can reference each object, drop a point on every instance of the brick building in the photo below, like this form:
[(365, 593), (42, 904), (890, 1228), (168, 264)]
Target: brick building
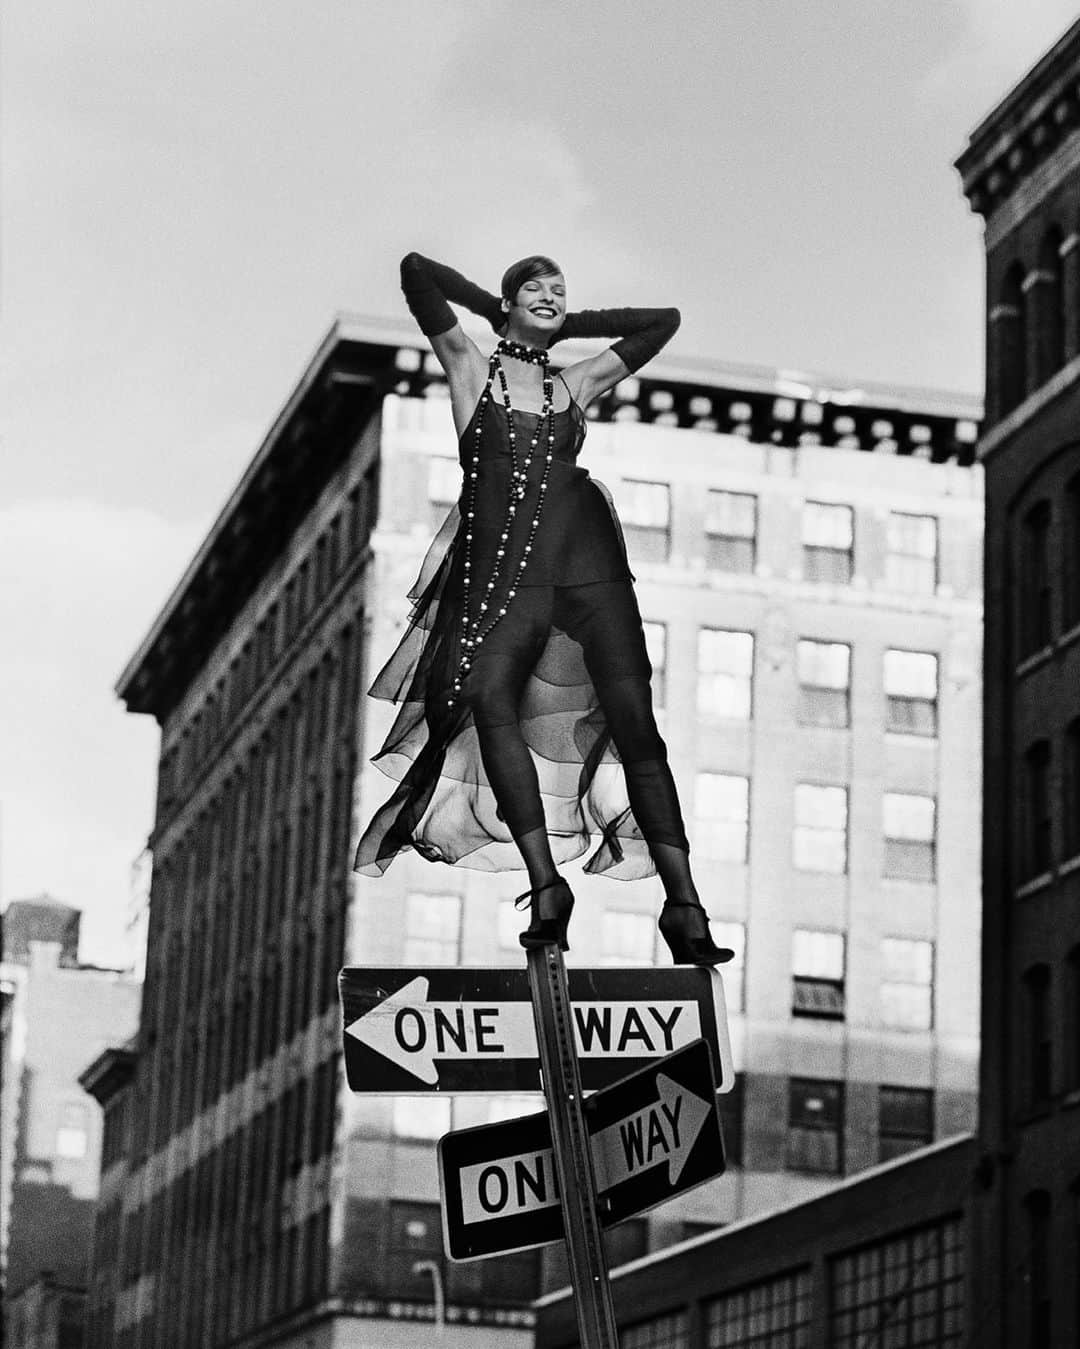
[(808, 558), (1021, 172)]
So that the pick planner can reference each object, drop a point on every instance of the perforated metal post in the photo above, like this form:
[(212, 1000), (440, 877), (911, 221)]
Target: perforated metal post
[(573, 1158)]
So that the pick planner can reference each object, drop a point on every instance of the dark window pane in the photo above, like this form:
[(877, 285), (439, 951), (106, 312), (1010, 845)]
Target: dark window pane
[(818, 997), (1033, 600), (827, 565), (912, 716)]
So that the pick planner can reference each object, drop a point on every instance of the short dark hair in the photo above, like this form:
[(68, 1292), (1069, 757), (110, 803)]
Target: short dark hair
[(528, 269)]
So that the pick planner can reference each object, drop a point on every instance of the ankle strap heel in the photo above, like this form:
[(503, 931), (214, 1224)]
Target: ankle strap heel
[(550, 907)]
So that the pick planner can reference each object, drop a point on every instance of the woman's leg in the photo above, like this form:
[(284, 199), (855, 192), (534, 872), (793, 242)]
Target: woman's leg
[(493, 692)]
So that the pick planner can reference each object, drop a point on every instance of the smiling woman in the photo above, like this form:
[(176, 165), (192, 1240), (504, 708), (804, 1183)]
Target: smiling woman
[(526, 731)]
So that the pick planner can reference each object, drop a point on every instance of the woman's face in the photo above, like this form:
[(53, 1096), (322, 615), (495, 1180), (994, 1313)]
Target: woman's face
[(540, 305)]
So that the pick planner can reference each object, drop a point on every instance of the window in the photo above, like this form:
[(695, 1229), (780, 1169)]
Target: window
[(656, 646), (828, 537), (731, 1108), (774, 1314), (1071, 793), (645, 511), (71, 1133), (905, 1290), (629, 938), (730, 531), (1048, 296), (415, 1233), (1037, 1204), (815, 1113), (820, 838), (725, 674), (1073, 1018), (911, 692), (824, 670), (670, 1331), (1009, 330), (817, 971), (444, 480), (912, 559), (1036, 822), (432, 929), (426, 1117), (907, 984), (510, 1105), (1033, 599), (443, 487), (909, 836), (721, 816), (1071, 504), (733, 974), (1037, 1046), (510, 921), (905, 1120)]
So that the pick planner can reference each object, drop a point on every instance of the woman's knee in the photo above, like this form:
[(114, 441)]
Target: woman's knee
[(491, 700), (628, 710)]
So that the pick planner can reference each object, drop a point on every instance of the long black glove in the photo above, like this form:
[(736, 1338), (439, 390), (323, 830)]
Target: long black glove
[(429, 285), (641, 332)]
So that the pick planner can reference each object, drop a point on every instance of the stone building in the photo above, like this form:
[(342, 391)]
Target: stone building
[(1021, 173), (56, 1011), (808, 558)]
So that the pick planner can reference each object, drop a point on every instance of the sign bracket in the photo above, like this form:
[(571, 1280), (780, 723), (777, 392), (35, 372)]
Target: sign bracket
[(571, 1147)]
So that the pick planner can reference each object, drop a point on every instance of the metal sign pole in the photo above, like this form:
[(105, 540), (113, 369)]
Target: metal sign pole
[(570, 1144)]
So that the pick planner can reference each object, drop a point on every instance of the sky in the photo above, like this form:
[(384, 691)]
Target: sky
[(190, 193)]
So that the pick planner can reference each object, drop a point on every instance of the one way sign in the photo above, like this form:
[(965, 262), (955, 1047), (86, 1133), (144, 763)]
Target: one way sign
[(463, 1029), (653, 1135)]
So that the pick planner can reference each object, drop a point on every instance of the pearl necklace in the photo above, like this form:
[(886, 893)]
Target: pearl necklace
[(473, 631)]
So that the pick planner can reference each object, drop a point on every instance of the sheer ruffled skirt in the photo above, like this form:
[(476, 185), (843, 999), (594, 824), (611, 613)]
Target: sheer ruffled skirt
[(564, 640)]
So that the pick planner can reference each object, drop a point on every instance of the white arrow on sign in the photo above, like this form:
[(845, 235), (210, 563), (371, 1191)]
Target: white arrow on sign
[(665, 1131), (413, 1033)]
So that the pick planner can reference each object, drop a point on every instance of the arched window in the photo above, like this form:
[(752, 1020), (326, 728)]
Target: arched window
[(1037, 1042), (1049, 315), (1009, 336)]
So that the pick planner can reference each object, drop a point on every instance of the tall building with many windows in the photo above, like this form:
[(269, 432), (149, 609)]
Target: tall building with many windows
[(1021, 172), (808, 563)]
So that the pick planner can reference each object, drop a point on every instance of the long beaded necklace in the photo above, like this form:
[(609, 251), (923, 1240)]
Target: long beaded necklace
[(474, 630)]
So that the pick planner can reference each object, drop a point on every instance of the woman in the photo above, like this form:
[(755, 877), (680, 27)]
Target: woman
[(523, 677)]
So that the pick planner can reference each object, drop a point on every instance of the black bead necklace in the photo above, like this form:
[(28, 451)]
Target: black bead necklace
[(473, 630)]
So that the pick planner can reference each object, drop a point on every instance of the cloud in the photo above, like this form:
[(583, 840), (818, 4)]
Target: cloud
[(76, 771)]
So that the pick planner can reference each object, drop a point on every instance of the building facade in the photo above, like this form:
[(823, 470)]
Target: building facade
[(56, 1012), (881, 1259), (808, 561), (1021, 173)]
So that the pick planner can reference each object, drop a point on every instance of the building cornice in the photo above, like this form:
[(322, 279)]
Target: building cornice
[(1024, 130), (308, 441)]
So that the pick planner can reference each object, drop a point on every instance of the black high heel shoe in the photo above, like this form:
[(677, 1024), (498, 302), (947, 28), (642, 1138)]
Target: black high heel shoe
[(685, 928), (550, 906)]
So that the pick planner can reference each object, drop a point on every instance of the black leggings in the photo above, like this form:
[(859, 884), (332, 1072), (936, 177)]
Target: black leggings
[(604, 619)]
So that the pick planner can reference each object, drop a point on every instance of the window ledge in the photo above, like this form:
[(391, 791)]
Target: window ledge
[(1033, 1113), (1040, 882), (1068, 637), (1032, 662), (1070, 865)]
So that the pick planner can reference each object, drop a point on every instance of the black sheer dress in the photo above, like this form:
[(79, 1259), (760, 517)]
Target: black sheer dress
[(565, 670)]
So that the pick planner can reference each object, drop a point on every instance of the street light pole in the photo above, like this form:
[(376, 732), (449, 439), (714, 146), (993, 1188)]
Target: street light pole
[(430, 1267)]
